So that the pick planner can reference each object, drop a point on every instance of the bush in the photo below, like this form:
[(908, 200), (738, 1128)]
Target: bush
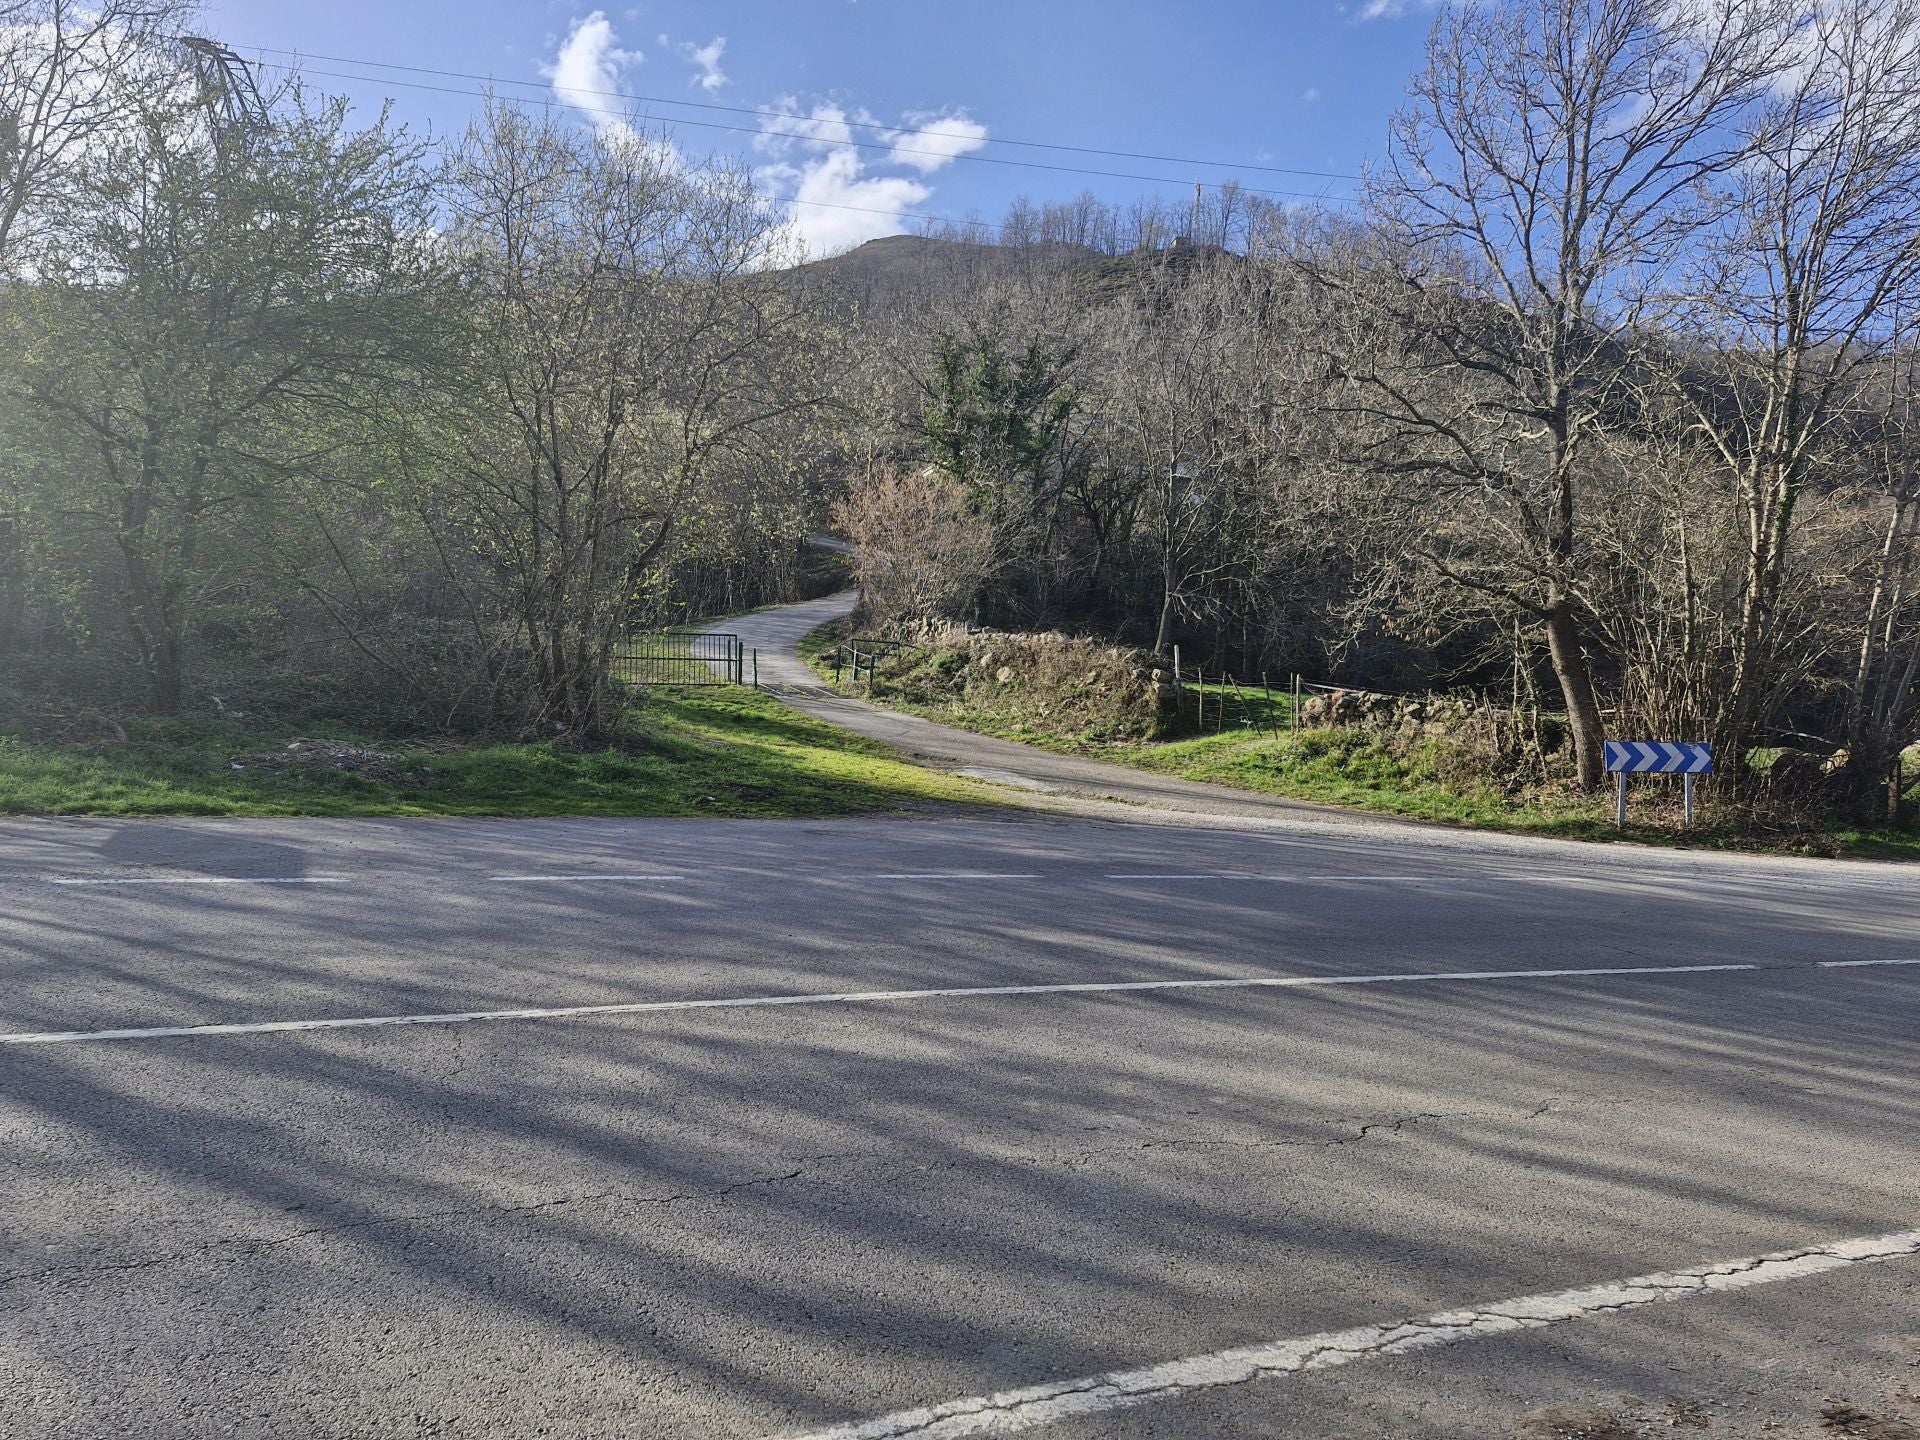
[(1061, 684)]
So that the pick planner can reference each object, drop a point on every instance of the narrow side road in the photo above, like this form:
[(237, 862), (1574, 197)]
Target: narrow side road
[(776, 635), (1096, 788)]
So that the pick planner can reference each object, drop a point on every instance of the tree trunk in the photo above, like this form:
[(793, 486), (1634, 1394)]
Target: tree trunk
[(1163, 637), (164, 687), (13, 584), (1576, 685)]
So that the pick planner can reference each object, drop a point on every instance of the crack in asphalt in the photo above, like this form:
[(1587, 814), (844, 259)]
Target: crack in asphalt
[(1364, 1131), (256, 1244), (1049, 1402), (242, 1245)]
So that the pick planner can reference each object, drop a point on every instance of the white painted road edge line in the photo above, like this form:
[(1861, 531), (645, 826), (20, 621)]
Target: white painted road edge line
[(1011, 1411), (207, 880), (1855, 964), (645, 1007)]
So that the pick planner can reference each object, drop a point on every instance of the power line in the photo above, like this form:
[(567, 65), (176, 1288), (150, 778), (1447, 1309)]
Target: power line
[(743, 130), (740, 129), (551, 104), (851, 124)]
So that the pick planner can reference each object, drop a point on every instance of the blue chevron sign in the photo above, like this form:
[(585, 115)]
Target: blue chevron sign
[(1658, 757)]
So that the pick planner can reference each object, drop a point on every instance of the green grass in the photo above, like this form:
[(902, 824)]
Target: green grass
[(712, 752), (1356, 769)]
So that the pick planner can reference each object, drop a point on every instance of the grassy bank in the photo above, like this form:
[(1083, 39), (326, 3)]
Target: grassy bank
[(1360, 769), (1355, 768), (713, 752)]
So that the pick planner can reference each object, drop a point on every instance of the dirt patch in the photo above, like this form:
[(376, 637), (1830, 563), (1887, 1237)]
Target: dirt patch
[(1840, 1418), (1561, 1422), (1684, 1414), (310, 755)]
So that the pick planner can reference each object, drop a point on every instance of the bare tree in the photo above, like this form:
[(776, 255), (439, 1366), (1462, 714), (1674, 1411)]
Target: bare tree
[(1883, 699), (1792, 298), (1549, 160), (626, 333)]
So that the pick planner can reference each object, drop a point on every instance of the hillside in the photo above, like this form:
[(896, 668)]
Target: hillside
[(898, 269)]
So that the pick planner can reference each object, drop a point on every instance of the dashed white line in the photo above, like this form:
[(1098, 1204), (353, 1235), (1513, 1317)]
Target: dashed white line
[(959, 875), (1011, 1411), (587, 877), (1418, 879), (1856, 964), (1248, 875), (202, 880), (849, 997), (1216, 875)]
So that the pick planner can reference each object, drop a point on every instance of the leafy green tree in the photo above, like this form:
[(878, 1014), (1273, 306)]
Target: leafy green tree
[(996, 417), (207, 324)]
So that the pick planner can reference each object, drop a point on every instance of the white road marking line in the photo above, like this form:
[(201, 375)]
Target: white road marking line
[(586, 877), (1011, 1411), (1418, 879), (954, 875), (205, 880), (1218, 875), (1855, 964), (644, 1007), (1247, 875)]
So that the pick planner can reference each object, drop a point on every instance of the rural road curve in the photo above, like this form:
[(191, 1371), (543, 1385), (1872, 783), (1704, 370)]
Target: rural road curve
[(775, 634), (1017, 1123)]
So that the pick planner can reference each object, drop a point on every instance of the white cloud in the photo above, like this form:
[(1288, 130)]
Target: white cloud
[(820, 128), (842, 194), (706, 58), (589, 65), (1309, 95), (838, 204), (935, 141), (1394, 9)]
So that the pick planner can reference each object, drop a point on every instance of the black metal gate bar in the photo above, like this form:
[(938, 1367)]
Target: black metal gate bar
[(681, 657)]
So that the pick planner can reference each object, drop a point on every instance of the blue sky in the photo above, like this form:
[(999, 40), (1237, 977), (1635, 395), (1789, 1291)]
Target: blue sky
[(1302, 83)]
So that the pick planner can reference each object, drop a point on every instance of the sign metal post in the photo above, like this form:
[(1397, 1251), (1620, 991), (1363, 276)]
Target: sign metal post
[(1655, 757)]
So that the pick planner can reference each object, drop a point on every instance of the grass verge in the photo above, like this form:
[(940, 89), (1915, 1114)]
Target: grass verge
[(1356, 769), (712, 752)]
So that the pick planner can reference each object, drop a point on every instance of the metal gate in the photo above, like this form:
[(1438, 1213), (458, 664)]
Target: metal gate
[(681, 657)]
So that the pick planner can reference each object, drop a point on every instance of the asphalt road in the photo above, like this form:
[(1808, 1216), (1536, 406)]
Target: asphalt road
[(774, 1218)]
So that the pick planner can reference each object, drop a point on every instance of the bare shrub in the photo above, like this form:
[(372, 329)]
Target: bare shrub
[(919, 551)]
